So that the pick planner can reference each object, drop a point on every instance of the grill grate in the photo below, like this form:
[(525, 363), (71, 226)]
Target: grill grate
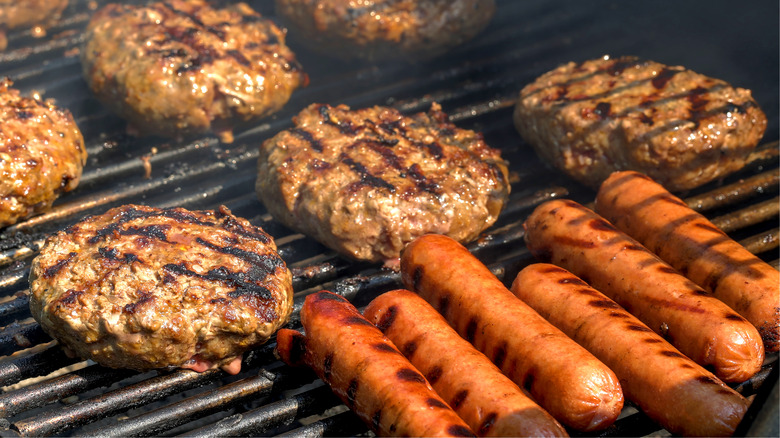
[(476, 84)]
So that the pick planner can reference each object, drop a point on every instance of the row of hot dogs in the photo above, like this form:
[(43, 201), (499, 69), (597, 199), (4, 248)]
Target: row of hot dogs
[(617, 321)]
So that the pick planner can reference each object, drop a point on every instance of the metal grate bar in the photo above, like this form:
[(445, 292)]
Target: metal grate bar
[(272, 416)]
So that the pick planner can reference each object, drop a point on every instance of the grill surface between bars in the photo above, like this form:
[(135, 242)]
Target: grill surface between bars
[(476, 84)]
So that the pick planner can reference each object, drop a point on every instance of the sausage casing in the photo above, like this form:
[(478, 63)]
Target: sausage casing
[(670, 388), (367, 371), (473, 386), (700, 326), (694, 246), (568, 381)]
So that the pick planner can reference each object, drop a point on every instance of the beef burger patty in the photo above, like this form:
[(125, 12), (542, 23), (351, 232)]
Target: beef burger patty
[(179, 68), (385, 29), (681, 128), (368, 181), (142, 288), (42, 154)]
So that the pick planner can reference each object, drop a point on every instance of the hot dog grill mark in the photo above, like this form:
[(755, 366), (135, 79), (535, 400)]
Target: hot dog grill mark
[(702, 252), (358, 368), (691, 388), (447, 276), (556, 231), (456, 369)]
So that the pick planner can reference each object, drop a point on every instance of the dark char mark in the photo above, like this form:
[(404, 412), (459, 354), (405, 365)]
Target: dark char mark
[(308, 137), (230, 223), (422, 183), (346, 127), (417, 279), (663, 77), (351, 392), (388, 318), (490, 419), (131, 308), (459, 398), (471, 330), (70, 296), (457, 430), (436, 403), (241, 281), (571, 280), (113, 254), (409, 375), (55, 268), (670, 353), (602, 110), (410, 348), (499, 354), (156, 231), (327, 367), (434, 374), (268, 263), (387, 348), (366, 177)]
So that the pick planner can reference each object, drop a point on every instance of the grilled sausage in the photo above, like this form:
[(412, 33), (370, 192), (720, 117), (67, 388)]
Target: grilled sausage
[(696, 247), (367, 371), (570, 383), (703, 328), (671, 389), (472, 385)]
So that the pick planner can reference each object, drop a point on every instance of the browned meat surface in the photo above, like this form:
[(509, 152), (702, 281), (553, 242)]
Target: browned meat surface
[(179, 68), (366, 182), (385, 28), (17, 14), (140, 287), (681, 128), (41, 154)]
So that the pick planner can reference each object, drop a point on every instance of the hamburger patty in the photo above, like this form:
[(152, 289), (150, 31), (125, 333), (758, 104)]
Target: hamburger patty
[(42, 154), (179, 68), (385, 28), (142, 288), (681, 128), (366, 182)]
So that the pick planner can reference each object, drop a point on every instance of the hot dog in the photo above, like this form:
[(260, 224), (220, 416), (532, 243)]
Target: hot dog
[(473, 386), (670, 388), (703, 328), (570, 383), (366, 371), (694, 246)]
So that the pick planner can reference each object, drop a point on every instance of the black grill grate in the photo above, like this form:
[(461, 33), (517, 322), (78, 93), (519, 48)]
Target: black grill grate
[(476, 84)]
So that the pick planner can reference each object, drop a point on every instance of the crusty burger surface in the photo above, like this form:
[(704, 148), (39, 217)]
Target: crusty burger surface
[(385, 29), (140, 287), (42, 154), (681, 128), (178, 68), (366, 182)]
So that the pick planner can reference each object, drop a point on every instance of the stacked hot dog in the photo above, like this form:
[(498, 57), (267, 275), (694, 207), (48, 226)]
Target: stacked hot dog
[(611, 319)]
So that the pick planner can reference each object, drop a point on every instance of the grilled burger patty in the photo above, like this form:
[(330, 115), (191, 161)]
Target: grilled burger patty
[(141, 287), (42, 154), (681, 128), (366, 182), (178, 68), (385, 28)]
